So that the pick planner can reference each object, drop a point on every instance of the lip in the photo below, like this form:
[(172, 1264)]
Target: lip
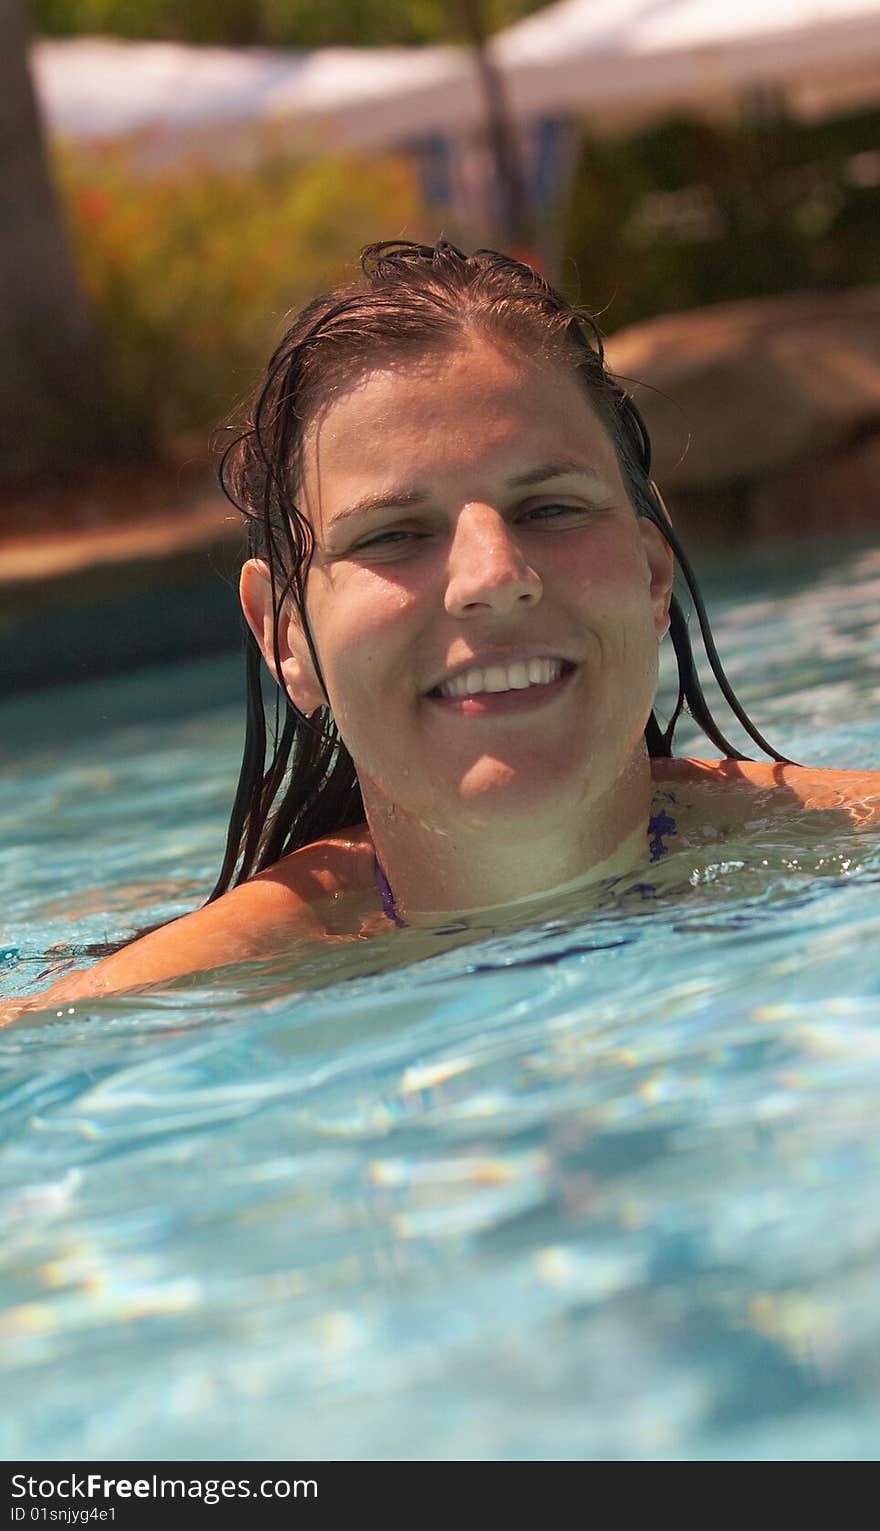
[(495, 657), (492, 704)]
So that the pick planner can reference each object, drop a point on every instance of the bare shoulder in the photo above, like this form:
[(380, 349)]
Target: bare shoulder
[(294, 900), (339, 863), (747, 782)]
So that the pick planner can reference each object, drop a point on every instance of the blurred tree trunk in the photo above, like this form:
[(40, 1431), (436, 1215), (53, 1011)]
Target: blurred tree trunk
[(51, 417), (515, 223)]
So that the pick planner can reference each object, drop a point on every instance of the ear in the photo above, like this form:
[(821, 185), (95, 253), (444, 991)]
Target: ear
[(298, 675), (661, 565)]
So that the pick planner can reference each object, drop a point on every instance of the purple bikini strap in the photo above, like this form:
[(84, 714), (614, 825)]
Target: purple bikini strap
[(386, 895)]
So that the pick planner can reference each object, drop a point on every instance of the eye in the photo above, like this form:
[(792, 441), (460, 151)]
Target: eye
[(553, 510), (395, 537)]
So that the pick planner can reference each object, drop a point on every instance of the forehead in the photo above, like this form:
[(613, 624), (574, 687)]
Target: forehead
[(475, 409)]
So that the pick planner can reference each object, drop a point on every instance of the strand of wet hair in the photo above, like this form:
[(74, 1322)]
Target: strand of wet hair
[(654, 508), (693, 688)]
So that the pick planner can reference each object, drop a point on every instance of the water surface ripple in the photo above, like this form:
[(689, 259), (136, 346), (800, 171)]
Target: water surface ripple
[(603, 1187)]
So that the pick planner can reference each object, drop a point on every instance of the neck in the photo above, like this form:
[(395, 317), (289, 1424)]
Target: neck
[(446, 866)]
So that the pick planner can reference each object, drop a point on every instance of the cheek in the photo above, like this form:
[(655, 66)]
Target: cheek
[(364, 602), (362, 624), (612, 590), (608, 571)]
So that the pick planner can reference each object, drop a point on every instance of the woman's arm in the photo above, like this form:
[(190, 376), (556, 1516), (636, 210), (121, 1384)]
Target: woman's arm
[(857, 793), (246, 923), (280, 906)]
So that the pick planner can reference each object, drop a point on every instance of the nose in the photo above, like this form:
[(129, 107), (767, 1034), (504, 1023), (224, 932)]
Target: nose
[(487, 569)]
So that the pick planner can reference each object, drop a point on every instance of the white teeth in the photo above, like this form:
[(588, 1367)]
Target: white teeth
[(496, 678), (515, 676), (518, 676)]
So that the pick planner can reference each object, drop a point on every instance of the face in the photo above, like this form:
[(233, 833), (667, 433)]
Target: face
[(484, 602)]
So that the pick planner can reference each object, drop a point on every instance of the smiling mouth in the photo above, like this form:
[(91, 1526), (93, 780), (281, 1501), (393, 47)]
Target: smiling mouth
[(498, 679)]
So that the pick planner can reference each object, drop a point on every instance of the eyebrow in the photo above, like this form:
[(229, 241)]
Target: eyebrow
[(403, 498)]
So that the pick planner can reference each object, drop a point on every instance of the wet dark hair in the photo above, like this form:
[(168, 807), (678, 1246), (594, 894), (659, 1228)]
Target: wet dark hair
[(411, 298)]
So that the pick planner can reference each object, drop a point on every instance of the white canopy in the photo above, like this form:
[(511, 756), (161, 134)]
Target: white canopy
[(613, 61), (621, 60), (99, 88)]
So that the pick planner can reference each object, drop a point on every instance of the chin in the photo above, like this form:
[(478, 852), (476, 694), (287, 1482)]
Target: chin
[(494, 790)]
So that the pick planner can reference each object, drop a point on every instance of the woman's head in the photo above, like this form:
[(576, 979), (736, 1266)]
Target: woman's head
[(434, 399), (469, 517)]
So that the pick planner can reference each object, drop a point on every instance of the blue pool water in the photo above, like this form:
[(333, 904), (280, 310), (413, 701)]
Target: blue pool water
[(605, 1186)]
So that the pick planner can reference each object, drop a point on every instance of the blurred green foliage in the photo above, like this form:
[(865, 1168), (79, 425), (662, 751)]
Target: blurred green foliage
[(189, 275), (690, 212), (274, 23)]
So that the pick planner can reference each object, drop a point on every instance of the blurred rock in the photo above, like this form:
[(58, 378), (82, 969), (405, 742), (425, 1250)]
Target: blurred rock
[(769, 408)]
